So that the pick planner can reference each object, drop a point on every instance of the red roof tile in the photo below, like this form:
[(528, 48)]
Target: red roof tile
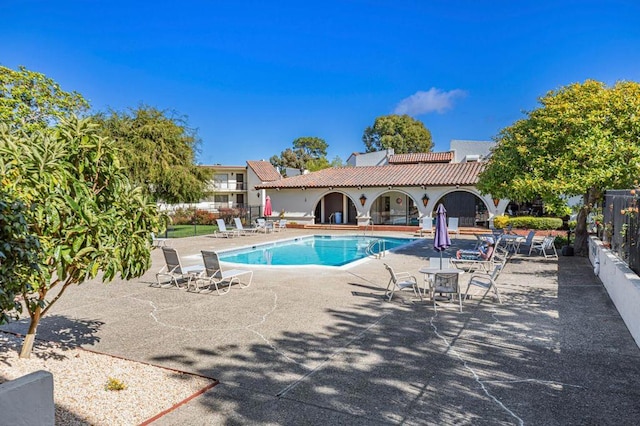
[(422, 157), (430, 174), (264, 170)]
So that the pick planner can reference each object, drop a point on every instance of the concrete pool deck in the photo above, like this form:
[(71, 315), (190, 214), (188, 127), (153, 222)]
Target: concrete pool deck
[(321, 346)]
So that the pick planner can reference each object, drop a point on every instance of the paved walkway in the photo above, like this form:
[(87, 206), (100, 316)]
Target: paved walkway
[(318, 346)]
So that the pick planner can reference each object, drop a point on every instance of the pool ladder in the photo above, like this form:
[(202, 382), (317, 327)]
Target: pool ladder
[(369, 224), (381, 248)]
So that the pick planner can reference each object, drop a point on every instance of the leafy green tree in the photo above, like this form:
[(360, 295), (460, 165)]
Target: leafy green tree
[(583, 139), (80, 206), (401, 132), (308, 153), (158, 153), (31, 100), (19, 253)]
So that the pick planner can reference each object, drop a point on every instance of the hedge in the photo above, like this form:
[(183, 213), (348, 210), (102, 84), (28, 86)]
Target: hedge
[(528, 222)]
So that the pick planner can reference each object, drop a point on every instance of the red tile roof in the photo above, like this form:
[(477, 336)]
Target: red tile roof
[(430, 174), (422, 157), (264, 170)]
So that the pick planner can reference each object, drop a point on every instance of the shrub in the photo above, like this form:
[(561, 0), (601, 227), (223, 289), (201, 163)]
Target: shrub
[(185, 217), (501, 222), (530, 222), (227, 214), (182, 216), (560, 241)]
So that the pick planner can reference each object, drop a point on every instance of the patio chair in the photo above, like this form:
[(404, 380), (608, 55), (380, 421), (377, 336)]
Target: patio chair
[(282, 225), (528, 242), (434, 262), (543, 246), (486, 282), (453, 226), (158, 242), (213, 275), (241, 229), (401, 281), (174, 270), (264, 226), (426, 226), (470, 265), (223, 231), (447, 288)]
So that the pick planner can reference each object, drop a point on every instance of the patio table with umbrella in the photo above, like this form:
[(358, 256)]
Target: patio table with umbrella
[(441, 240)]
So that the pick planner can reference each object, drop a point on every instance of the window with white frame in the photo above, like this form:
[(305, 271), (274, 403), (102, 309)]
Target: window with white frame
[(221, 180)]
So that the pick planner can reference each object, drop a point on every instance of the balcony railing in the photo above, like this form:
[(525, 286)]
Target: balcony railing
[(239, 186)]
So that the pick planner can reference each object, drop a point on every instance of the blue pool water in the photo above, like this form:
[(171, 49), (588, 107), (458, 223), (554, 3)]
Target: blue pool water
[(314, 250)]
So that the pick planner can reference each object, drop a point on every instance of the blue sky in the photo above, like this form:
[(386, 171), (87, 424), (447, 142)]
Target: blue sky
[(252, 76)]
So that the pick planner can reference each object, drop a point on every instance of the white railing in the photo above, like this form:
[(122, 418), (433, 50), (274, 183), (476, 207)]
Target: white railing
[(380, 245)]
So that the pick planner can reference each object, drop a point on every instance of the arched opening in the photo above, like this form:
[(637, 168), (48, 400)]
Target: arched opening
[(335, 207), (469, 208), (394, 208)]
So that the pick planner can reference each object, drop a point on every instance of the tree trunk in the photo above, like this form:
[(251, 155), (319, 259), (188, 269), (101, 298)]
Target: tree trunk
[(581, 244), (27, 345)]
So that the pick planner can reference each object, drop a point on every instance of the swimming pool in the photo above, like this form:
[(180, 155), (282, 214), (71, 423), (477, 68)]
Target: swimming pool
[(323, 250)]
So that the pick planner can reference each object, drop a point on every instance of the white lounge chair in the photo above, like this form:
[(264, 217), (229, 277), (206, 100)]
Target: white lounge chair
[(470, 265), (213, 275), (452, 227), (175, 271), (241, 229), (223, 231), (282, 225), (426, 226)]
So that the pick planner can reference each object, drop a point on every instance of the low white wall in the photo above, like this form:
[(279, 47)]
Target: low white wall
[(28, 400), (622, 284)]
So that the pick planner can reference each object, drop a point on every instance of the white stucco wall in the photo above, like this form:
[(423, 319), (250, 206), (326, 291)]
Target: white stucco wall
[(622, 284), (299, 204), (28, 400), (255, 197)]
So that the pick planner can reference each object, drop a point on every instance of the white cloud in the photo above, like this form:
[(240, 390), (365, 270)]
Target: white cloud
[(430, 101)]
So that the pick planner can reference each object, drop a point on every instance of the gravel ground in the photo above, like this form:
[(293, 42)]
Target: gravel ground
[(80, 378)]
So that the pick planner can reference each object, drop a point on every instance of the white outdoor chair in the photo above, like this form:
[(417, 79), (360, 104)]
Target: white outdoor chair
[(159, 242), (241, 229), (401, 281), (453, 226), (426, 226), (471, 265), (282, 225), (264, 226), (543, 246), (434, 262), (223, 231), (446, 286), (174, 270), (486, 282), (213, 275)]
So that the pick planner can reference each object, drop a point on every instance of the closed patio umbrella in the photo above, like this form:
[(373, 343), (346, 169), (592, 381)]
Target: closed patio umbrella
[(267, 206), (441, 240)]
